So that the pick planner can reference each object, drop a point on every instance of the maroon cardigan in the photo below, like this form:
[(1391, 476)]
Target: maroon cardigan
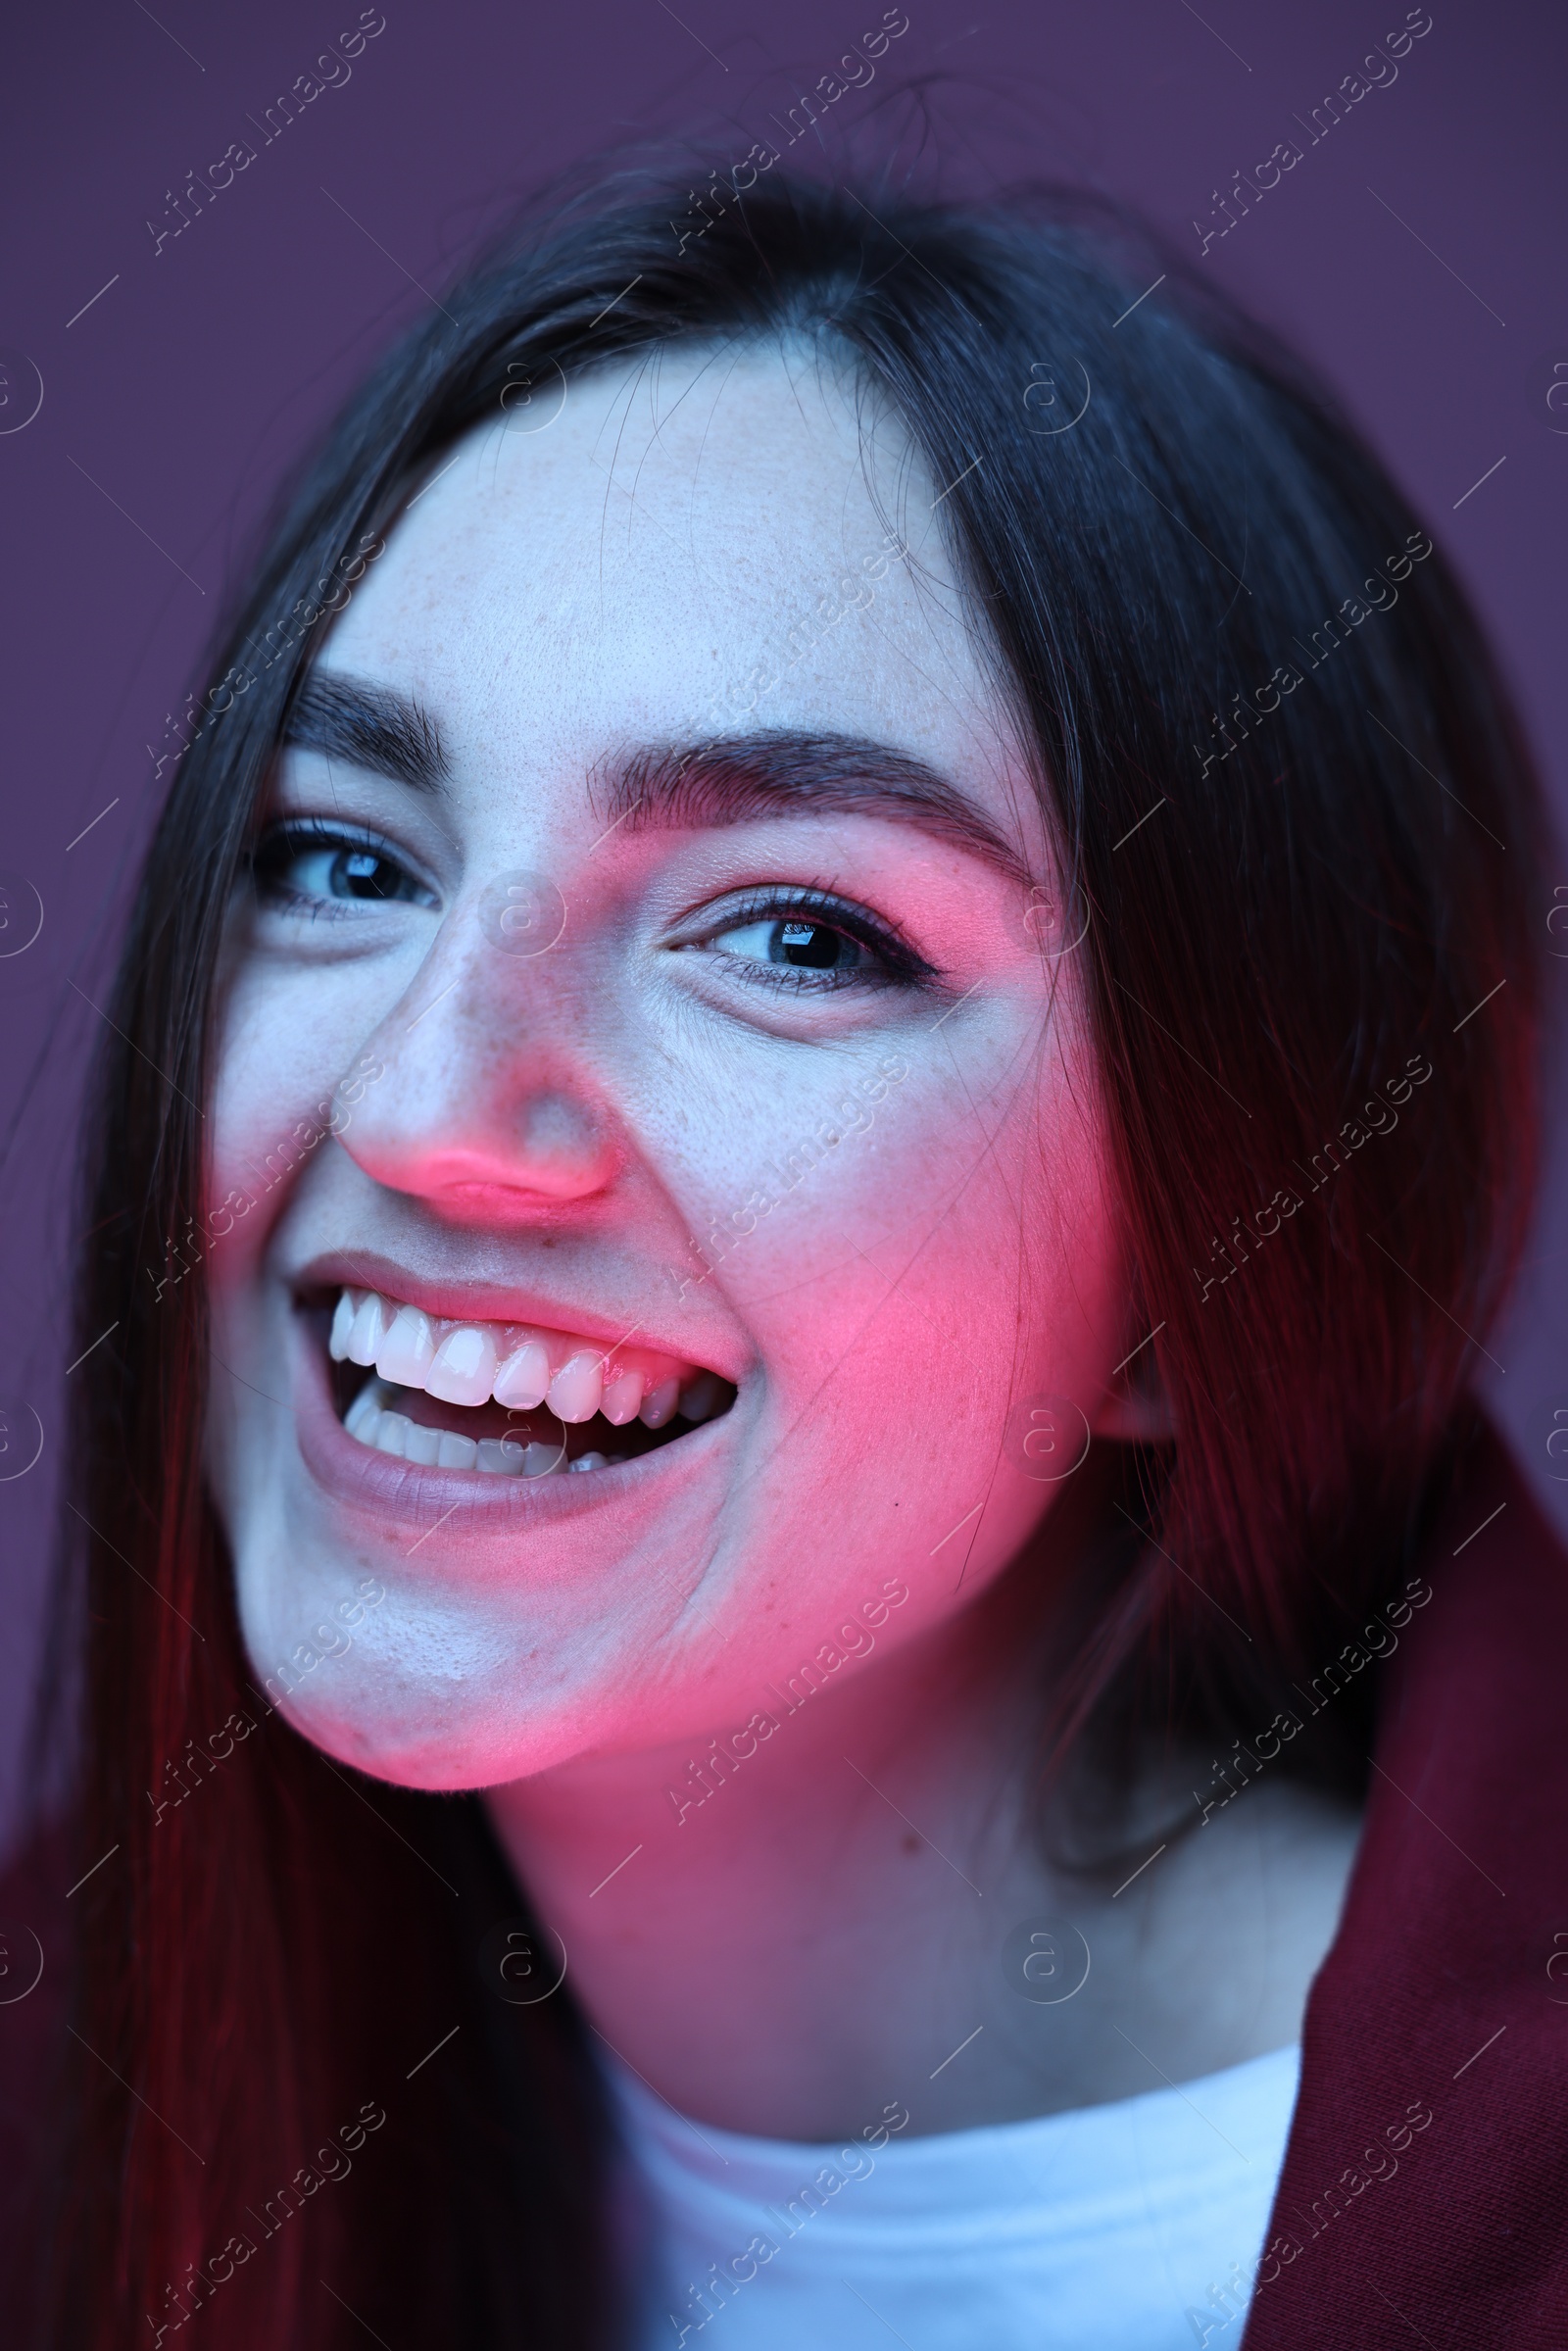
[(1445, 1992), (1424, 2195)]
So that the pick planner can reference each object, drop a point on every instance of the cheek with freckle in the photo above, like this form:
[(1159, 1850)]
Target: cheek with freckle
[(910, 1279)]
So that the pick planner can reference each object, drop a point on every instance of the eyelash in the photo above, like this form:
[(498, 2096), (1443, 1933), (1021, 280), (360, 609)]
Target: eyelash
[(901, 966), (284, 842)]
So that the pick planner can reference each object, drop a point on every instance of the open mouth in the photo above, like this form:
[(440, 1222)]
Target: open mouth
[(506, 1399)]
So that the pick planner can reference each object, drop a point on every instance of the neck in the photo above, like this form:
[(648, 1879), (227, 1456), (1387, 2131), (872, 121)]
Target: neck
[(832, 1919), (775, 1925)]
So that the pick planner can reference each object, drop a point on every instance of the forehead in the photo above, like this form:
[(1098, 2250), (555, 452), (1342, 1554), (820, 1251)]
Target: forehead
[(693, 544)]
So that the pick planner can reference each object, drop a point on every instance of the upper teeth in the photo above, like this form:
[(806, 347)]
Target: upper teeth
[(519, 1364)]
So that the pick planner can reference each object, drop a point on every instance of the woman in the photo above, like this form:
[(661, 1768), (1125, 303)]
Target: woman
[(826, 1069)]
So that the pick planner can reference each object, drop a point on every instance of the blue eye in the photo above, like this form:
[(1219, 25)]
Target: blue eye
[(800, 945), (812, 940), (362, 873), (315, 865)]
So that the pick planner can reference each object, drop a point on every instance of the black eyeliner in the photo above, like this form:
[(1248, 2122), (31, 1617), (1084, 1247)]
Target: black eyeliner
[(901, 960)]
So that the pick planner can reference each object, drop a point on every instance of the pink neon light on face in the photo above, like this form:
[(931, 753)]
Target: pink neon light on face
[(899, 1158)]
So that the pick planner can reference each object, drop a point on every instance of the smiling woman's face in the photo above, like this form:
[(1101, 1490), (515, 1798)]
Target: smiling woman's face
[(680, 1072)]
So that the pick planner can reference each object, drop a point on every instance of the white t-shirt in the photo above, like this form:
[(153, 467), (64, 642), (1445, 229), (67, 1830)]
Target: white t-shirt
[(1128, 2227)]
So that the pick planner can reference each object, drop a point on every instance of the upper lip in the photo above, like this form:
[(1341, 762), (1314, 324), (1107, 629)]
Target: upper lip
[(451, 1300)]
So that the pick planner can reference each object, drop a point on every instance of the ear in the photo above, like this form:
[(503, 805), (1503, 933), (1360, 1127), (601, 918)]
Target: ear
[(1135, 1409)]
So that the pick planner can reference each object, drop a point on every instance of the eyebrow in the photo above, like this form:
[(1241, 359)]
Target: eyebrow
[(738, 779), (725, 780), (372, 726)]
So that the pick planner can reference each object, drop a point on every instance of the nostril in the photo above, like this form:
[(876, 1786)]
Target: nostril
[(478, 1113)]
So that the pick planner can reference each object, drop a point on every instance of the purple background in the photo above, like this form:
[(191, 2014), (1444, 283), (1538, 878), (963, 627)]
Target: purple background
[(173, 401)]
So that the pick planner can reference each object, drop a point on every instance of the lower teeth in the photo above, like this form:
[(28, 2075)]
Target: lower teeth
[(372, 1423)]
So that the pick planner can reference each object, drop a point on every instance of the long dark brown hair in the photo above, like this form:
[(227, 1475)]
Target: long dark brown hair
[(1298, 824)]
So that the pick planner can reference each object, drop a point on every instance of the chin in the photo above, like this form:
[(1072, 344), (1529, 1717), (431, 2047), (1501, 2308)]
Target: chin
[(417, 1745)]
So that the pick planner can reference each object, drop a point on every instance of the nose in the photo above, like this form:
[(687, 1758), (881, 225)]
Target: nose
[(489, 1105)]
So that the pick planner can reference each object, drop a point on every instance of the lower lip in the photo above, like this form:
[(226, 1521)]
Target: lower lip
[(423, 1498)]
